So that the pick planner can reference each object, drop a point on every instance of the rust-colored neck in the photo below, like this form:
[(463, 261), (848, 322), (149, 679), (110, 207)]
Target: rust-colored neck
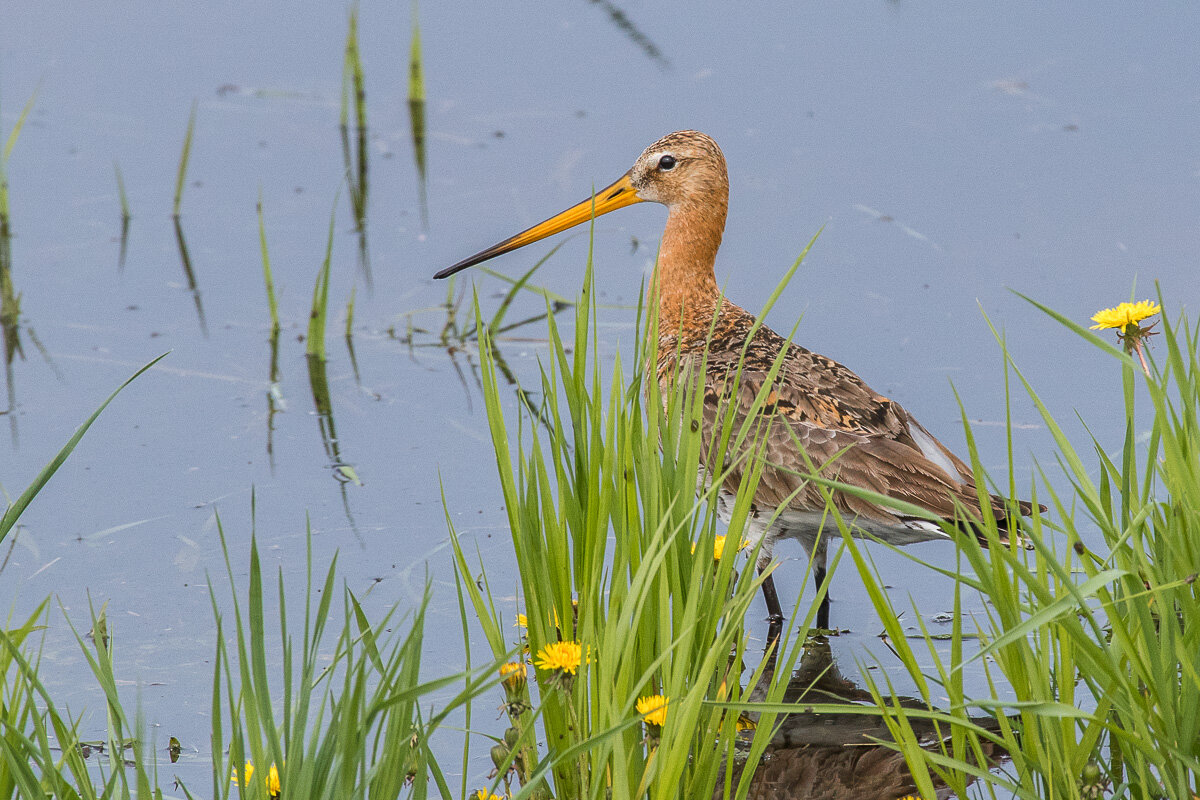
[(686, 284)]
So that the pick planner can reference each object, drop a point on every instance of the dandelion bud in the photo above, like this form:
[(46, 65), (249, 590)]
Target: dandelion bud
[(500, 755), (511, 736)]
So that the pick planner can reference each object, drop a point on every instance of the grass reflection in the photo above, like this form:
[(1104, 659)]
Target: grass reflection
[(275, 402), (10, 299), (315, 353), (184, 256), (125, 217), (416, 113), (354, 156)]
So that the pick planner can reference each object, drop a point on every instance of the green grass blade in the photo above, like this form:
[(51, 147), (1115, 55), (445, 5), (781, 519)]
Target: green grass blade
[(14, 511), (315, 346), (184, 157)]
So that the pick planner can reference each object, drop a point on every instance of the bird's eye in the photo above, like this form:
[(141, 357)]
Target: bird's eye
[(666, 163)]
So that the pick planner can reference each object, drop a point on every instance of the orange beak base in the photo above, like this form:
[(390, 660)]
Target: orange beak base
[(620, 194)]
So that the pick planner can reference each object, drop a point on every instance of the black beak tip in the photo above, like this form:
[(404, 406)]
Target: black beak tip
[(478, 258), (448, 271)]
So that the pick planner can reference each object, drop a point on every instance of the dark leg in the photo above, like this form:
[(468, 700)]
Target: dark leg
[(774, 612), (819, 577)]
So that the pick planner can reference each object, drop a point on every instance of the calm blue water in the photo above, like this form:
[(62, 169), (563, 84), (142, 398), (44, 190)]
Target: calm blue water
[(951, 154)]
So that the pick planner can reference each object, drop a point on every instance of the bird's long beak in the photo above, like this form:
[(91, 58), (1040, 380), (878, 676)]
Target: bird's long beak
[(620, 194)]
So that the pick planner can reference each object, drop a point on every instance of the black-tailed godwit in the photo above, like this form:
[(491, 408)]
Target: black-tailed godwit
[(817, 413)]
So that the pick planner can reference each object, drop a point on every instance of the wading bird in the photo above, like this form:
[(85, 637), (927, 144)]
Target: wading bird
[(816, 416)]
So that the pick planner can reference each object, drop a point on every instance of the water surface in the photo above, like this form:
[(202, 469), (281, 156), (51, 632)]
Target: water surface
[(949, 154)]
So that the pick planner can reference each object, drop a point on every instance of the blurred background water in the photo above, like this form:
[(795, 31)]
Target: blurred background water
[(950, 154)]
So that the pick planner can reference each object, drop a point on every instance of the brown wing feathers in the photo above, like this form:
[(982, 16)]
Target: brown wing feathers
[(820, 413)]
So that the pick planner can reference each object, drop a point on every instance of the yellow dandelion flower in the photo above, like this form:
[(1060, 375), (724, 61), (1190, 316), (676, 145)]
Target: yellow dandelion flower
[(1125, 318), (719, 547), (1125, 314), (523, 621), (274, 788), (247, 773), (560, 657), (653, 709), (514, 674), (483, 794)]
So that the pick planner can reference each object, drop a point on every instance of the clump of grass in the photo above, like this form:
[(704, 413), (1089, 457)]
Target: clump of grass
[(328, 708), (622, 596), (43, 755), (1089, 644), (342, 716)]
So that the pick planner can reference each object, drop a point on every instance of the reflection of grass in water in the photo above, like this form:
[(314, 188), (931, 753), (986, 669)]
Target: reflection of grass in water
[(184, 256), (10, 301), (316, 354), (125, 216), (275, 402), (354, 158), (319, 384), (627, 26), (416, 111), (455, 338), (450, 332), (189, 274), (350, 334)]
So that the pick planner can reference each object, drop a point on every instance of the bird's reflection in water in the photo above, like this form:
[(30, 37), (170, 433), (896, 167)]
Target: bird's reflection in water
[(830, 756)]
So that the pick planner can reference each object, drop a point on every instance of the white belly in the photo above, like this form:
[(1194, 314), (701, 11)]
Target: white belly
[(814, 528)]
